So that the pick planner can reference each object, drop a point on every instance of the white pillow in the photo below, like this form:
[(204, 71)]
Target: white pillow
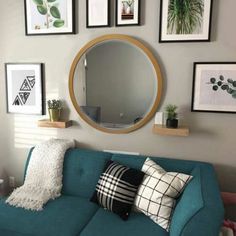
[(157, 192)]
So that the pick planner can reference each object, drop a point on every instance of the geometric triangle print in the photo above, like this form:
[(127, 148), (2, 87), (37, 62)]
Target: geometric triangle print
[(31, 80), (25, 86), (17, 101), (24, 96)]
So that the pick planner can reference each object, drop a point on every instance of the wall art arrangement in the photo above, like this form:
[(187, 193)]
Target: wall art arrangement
[(49, 17), (24, 88), (185, 21), (214, 87), (127, 12), (98, 13)]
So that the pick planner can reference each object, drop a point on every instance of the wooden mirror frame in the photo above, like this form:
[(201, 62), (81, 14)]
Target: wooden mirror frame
[(157, 70)]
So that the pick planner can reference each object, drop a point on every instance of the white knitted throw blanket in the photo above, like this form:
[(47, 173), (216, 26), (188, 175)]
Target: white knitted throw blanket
[(43, 179)]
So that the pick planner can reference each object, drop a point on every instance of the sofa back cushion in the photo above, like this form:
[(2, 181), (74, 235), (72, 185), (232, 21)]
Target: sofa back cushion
[(168, 164), (81, 172)]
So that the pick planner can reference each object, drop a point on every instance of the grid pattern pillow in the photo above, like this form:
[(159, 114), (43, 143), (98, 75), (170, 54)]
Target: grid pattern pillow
[(157, 193), (117, 188)]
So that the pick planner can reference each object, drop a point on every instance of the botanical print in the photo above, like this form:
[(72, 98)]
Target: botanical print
[(227, 84), (49, 17), (185, 20), (215, 87), (185, 16), (48, 14), (127, 10)]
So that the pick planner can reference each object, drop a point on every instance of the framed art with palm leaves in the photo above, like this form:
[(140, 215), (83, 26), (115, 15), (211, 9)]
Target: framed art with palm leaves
[(185, 20), (49, 17)]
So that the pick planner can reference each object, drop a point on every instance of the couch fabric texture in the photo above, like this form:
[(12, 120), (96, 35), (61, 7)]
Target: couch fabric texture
[(198, 212)]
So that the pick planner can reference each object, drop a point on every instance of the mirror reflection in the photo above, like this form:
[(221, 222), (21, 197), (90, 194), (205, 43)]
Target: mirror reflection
[(115, 84)]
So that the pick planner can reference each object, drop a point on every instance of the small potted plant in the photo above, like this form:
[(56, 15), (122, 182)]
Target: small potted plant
[(54, 109), (171, 121)]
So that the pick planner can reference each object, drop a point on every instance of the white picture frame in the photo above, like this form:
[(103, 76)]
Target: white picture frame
[(24, 88), (97, 13)]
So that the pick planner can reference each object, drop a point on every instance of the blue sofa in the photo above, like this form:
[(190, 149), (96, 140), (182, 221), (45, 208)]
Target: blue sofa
[(199, 211)]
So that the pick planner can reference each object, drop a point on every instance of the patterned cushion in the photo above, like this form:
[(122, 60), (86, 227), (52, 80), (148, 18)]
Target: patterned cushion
[(157, 193), (117, 188)]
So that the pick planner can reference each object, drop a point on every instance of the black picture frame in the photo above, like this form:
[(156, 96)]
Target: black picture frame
[(128, 24), (205, 38), (102, 25), (218, 77), (39, 108), (32, 32)]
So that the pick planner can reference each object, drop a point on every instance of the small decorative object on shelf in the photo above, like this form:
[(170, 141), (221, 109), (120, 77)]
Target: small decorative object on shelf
[(171, 121), (54, 109)]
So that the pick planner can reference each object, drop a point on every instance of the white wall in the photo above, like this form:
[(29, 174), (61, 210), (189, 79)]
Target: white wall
[(212, 137)]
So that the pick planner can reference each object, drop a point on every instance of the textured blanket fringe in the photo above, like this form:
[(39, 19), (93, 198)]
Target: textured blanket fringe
[(44, 176)]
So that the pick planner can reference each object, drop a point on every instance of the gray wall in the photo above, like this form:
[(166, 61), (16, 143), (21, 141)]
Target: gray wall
[(120, 79), (212, 136)]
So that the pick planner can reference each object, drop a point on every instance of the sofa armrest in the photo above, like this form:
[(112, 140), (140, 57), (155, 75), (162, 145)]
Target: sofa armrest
[(200, 210)]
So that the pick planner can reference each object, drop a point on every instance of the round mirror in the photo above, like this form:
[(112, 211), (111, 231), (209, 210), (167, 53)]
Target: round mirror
[(115, 84)]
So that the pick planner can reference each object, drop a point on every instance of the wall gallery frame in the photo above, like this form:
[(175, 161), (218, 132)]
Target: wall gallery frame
[(128, 12), (49, 17), (214, 87), (181, 21), (97, 13), (24, 88)]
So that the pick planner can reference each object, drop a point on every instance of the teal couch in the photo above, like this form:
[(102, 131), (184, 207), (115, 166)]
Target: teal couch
[(199, 211)]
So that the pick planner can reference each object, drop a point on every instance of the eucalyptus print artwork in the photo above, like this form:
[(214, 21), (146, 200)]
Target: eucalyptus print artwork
[(49, 16), (214, 87), (226, 84)]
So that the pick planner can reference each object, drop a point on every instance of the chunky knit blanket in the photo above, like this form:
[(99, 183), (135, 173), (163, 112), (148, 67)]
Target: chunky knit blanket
[(43, 179)]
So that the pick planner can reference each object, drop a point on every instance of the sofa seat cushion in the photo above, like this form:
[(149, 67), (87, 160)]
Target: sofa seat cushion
[(65, 216), (104, 223)]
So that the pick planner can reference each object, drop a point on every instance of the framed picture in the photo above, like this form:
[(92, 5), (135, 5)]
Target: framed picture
[(214, 87), (49, 17), (98, 13), (127, 12), (181, 21), (24, 88)]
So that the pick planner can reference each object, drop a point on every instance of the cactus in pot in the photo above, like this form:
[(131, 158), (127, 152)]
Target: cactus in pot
[(54, 109)]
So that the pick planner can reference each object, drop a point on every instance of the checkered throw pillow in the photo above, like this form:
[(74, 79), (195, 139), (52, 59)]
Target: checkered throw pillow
[(117, 188), (158, 191)]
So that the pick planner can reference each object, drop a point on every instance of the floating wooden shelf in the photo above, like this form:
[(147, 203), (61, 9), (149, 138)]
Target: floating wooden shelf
[(162, 130), (55, 124)]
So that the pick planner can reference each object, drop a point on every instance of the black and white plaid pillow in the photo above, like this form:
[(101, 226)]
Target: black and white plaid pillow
[(117, 188), (158, 191)]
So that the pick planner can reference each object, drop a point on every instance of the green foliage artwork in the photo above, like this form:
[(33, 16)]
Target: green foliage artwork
[(185, 16), (227, 85), (49, 9)]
